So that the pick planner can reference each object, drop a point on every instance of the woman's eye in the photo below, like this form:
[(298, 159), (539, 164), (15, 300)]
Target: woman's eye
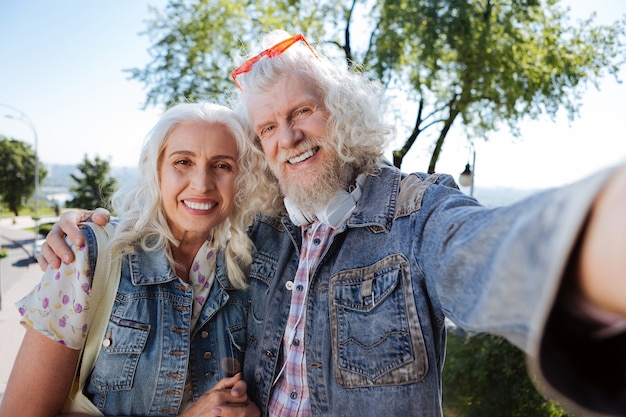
[(181, 162), (223, 168)]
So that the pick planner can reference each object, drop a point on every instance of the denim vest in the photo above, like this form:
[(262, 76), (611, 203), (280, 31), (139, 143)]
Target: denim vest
[(415, 251), (142, 370)]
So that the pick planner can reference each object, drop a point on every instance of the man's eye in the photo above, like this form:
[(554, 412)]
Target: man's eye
[(266, 131), (303, 112)]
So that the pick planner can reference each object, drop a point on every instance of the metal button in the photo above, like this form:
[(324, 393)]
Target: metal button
[(204, 334), (207, 355), (289, 285), (106, 342), (269, 354)]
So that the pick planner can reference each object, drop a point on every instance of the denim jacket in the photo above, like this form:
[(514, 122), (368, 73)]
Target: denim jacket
[(415, 251), (142, 370)]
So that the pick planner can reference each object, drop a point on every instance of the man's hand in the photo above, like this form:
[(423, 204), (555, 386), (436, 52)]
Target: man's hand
[(55, 249), (227, 398), (603, 251)]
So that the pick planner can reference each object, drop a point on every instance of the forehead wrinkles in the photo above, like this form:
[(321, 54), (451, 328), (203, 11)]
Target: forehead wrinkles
[(268, 107), (201, 137)]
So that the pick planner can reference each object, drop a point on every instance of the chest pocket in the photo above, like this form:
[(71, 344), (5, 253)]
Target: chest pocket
[(116, 365), (375, 331)]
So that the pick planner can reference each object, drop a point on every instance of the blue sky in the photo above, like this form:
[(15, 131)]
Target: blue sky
[(63, 62)]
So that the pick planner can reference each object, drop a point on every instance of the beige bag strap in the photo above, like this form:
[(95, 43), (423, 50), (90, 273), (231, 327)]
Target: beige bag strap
[(105, 282)]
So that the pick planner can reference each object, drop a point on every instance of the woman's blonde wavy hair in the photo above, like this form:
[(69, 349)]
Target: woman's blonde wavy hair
[(142, 222), (356, 105)]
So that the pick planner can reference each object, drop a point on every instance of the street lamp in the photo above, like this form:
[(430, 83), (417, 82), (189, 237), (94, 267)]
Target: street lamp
[(466, 178), (3, 254), (22, 117)]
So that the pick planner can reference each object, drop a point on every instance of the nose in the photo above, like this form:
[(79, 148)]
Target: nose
[(289, 136), (203, 179)]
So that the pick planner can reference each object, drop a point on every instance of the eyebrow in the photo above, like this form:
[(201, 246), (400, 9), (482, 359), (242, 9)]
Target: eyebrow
[(190, 153), (234, 158)]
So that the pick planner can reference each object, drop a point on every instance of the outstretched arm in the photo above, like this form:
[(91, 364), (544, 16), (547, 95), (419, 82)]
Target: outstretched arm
[(602, 268), (581, 351)]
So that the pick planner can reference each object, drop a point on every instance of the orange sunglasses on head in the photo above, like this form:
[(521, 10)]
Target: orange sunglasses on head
[(272, 52)]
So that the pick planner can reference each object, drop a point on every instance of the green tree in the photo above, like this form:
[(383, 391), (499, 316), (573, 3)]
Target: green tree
[(193, 41), (491, 63), (485, 375), (481, 65), (94, 187), (17, 173)]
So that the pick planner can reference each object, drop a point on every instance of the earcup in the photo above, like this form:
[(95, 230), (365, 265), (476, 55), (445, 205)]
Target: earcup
[(336, 213)]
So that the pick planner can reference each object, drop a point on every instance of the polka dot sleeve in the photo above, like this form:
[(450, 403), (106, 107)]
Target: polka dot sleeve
[(58, 306)]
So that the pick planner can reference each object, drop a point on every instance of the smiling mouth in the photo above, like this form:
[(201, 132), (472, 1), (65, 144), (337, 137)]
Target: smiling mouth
[(199, 206), (303, 156)]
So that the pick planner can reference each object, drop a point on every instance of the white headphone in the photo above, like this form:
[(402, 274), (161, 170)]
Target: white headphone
[(335, 214)]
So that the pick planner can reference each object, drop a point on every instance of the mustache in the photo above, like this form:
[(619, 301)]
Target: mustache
[(305, 145)]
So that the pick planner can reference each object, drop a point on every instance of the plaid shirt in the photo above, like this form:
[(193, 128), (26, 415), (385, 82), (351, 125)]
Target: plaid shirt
[(291, 393)]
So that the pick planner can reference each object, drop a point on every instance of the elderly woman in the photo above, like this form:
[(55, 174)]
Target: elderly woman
[(176, 335)]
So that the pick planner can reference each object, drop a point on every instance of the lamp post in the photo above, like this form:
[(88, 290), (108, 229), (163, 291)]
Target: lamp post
[(3, 254), (466, 178), (22, 117)]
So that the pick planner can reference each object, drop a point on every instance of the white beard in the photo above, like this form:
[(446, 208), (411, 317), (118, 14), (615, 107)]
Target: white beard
[(320, 187)]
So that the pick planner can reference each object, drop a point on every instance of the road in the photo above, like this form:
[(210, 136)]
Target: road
[(19, 273)]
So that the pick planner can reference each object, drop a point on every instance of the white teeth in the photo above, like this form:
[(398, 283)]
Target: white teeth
[(198, 206), (302, 156)]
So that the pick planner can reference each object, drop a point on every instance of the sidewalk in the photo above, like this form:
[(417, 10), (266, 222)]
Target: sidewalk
[(10, 328), (19, 275)]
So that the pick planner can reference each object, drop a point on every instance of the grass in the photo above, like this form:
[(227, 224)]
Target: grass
[(44, 228), (26, 211)]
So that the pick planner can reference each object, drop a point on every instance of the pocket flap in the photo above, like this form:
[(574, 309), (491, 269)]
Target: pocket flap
[(365, 292)]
